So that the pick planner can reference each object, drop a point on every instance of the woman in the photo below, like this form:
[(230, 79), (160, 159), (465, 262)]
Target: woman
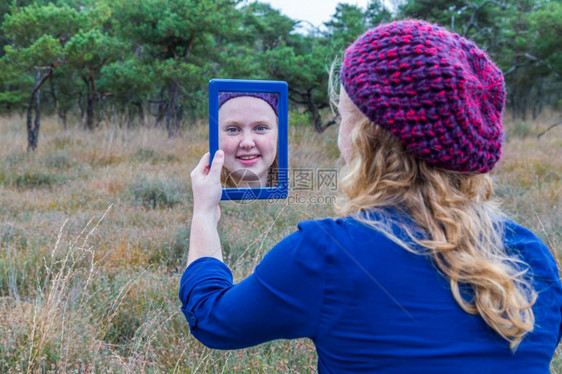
[(248, 132), (420, 273)]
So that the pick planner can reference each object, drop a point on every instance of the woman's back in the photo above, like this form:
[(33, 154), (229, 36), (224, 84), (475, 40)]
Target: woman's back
[(390, 310)]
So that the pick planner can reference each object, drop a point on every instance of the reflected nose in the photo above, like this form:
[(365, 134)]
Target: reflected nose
[(247, 141)]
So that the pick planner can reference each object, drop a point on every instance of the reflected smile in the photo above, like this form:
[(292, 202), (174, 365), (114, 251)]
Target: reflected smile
[(248, 160)]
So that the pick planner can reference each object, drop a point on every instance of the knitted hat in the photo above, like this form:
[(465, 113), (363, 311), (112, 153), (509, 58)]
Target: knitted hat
[(433, 89), (270, 98)]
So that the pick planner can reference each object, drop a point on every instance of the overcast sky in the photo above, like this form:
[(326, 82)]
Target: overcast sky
[(314, 11)]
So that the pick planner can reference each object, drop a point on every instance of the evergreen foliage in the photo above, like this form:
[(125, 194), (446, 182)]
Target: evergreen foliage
[(147, 62)]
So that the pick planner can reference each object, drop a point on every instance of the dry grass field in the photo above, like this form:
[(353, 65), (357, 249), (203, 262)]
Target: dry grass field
[(94, 234)]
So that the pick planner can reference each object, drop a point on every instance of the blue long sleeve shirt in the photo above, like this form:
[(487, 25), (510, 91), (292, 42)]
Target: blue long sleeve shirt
[(368, 305)]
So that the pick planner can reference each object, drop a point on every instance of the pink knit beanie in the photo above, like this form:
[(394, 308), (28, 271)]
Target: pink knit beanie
[(437, 92)]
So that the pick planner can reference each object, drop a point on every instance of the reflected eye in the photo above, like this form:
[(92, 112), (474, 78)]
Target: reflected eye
[(232, 130)]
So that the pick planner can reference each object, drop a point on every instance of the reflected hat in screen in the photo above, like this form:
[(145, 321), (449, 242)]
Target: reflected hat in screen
[(270, 98), (436, 91)]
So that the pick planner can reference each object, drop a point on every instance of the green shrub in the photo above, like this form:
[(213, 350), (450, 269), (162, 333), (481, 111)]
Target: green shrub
[(65, 141), (60, 161), (15, 158), (521, 129), (152, 156), (173, 253), (32, 179), (155, 193), (20, 273), (4, 178), (12, 235), (297, 118), (145, 154)]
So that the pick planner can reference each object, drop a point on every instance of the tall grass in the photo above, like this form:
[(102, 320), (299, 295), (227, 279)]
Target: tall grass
[(94, 233)]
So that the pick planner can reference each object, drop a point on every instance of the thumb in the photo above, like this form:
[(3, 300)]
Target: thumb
[(217, 164)]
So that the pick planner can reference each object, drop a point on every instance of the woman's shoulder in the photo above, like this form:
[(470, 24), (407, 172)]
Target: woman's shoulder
[(390, 215), (327, 223), (338, 232), (323, 233), (522, 239), (523, 243), (332, 227), (373, 223)]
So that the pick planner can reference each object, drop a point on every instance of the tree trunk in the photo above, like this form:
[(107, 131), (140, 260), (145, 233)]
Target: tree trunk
[(32, 133), (162, 107), (140, 113), (56, 103), (90, 111), (308, 100), (34, 103), (317, 118), (539, 99), (91, 101), (179, 118), (171, 112), (62, 116), (37, 122), (319, 126), (81, 106)]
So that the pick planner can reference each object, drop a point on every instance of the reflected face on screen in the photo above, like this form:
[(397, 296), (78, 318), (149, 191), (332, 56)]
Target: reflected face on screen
[(248, 133)]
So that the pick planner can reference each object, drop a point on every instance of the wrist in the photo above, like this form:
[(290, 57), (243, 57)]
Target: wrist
[(205, 215)]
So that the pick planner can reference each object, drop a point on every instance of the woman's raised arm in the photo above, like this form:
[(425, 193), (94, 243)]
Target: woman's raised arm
[(204, 239)]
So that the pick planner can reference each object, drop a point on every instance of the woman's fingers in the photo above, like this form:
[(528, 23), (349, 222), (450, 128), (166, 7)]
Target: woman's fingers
[(203, 163), (216, 167)]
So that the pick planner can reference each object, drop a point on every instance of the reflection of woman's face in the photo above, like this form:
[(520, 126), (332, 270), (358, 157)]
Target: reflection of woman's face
[(248, 137)]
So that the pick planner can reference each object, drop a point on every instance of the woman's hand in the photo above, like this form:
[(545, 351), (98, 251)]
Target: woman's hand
[(206, 185), (204, 239)]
